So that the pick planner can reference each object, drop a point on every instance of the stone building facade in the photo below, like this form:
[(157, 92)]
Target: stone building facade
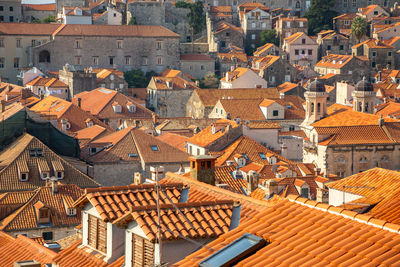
[(379, 54), (77, 81), (10, 11), (123, 47), (332, 42), (286, 26)]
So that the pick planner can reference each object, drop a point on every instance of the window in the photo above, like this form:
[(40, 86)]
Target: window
[(24, 177), (1, 18), (44, 213), (18, 42), (341, 47), (92, 150), (347, 22), (253, 25), (36, 152), (127, 60), (95, 60), (154, 148), (1, 8), (71, 212), (304, 192), (47, 235), (111, 60), (11, 18), (11, 9), (145, 61), (16, 62), (78, 43), (253, 37), (363, 160), (310, 52), (142, 251), (301, 24), (291, 128), (227, 34), (328, 47), (119, 44), (1, 42), (340, 174), (202, 67), (97, 234), (373, 64), (296, 52), (389, 54), (303, 41), (375, 12), (373, 53), (354, 3), (2, 62), (59, 174), (159, 45), (275, 113), (77, 60), (132, 155), (262, 155), (159, 61), (234, 252), (288, 24)]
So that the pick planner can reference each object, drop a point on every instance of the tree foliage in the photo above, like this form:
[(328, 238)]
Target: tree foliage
[(269, 36), (132, 21), (137, 78), (320, 15), (182, 4), (49, 19), (359, 28), (210, 80), (196, 17)]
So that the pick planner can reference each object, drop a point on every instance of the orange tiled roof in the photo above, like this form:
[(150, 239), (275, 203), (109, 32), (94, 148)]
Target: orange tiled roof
[(98, 102), (373, 43), (176, 83), (207, 219), (389, 109), (39, 7), (304, 232), (368, 9), (221, 9), (290, 39), (113, 202), (263, 48), (346, 16), (18, 152), (23, 248), (35, 29), (286, 86), (209, 97), (222, 25), (230, 56), (336, 108), (175, 140), (223, 175), (206, 137), (25, 217), (246, 145), (334, 61), (263, 125), (122, 144)]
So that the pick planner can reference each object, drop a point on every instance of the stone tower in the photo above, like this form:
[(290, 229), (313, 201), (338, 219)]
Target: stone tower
[(315, 102), (364, 97)]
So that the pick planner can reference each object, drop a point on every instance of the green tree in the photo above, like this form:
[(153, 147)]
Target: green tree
[(182, 4), (49, 19), (132, 21), (197, 19), (320, 15), (359, 28), (137, 78), (269, 36), (210, 80)]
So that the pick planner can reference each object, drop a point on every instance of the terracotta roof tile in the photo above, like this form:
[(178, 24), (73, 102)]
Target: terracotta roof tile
[(373, 43), (25, 217), (28, 29), (310, 233), (240, 57), (19, 151), (175, 140), (39, 7), (207, 137), (192, 220), (334, 61), (223, 175)]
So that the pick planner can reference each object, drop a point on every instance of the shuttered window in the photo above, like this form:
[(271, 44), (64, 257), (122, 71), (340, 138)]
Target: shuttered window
[(97, 234), (142, 251)]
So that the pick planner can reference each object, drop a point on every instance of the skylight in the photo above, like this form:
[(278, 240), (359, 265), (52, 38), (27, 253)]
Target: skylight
[(132, 155), (262, 155), (236, 251), (105, 91), (154, 148)]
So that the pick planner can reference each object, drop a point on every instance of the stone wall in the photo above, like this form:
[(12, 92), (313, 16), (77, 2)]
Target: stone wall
[(115, 174), (169, 103)]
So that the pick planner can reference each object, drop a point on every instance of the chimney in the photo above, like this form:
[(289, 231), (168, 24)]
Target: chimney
[(281, 95), (54, 186), (235, 219), (381, 121), (25, 93), (252, 181), (138, 178), (3, 106), (79, 102), (284, 151), (155, 118), (64, 125), (157, 173), (271, 187), (202, 168)]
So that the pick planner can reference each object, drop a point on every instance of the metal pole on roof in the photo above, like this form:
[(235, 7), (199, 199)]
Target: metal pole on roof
[(158, 215)]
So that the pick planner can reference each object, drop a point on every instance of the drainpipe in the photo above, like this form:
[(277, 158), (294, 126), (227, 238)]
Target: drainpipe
[(237, 207)]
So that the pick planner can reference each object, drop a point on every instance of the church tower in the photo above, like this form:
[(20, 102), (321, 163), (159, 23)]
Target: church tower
[(364, 97), (315, 102)]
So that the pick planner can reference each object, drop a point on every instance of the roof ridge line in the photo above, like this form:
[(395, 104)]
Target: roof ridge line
[(183, 205), (348, 214)]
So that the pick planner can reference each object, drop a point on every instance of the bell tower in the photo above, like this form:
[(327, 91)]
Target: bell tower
[(315, 102), (364, 97)]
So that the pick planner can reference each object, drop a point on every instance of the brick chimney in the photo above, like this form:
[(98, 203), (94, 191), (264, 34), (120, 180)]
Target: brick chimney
[(202, 168)]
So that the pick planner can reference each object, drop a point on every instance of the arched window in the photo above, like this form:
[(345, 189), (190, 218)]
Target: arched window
[(319, 108), (341, 159), (297, 4), (359, 106), (312, 108), (44, 56), (363, 160), (366, 107)]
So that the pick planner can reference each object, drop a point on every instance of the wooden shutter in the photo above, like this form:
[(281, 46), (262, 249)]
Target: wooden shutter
[(97, 237), (142, 251), (102, 236)]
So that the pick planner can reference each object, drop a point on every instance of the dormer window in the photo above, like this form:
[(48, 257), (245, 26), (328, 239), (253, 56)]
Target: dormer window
[(23, 170), (42, 212), (89, 123), (44, 169), (117, 107), (131, 107), (262, 156), (36, 152), (58, 169), (71, 212)]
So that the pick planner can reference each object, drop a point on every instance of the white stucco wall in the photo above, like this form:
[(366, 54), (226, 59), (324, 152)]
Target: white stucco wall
[(336, 197)]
